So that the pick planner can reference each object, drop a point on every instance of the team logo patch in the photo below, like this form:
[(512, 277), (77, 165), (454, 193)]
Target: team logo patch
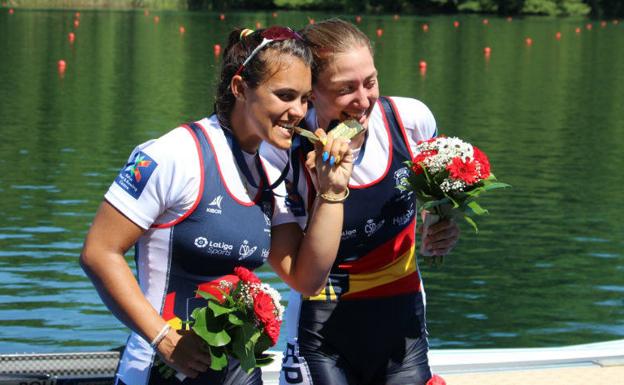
[(400, 177), (134, 176)]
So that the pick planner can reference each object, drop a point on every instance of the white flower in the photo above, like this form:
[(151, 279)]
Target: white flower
[(276, 297), (452, 185), (447, 149)]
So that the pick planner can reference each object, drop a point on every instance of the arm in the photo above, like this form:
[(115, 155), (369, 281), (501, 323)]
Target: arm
[(419, 123), (303, 261), (102, 258)]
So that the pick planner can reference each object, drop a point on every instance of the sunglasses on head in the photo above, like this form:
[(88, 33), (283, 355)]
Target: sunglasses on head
[(270, 35)]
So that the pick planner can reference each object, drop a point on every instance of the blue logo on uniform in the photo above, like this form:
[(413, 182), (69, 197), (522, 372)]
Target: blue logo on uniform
[(134, 176)]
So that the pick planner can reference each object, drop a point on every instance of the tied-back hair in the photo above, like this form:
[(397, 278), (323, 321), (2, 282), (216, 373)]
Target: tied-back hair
[(329, 37), (239, 47)]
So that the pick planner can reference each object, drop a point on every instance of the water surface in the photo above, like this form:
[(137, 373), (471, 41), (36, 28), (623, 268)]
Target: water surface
[(546, 269)]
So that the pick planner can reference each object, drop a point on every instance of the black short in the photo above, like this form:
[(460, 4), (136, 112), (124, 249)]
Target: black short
[(360, 342)]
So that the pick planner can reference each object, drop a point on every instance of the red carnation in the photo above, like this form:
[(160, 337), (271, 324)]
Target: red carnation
[(416, 167), (246, 275), (436, 380), (466, 171), (264, 308), (484, 163), (272, 330)]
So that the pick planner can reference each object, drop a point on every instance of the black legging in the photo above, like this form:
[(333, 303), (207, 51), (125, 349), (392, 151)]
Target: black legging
[(363, 342)]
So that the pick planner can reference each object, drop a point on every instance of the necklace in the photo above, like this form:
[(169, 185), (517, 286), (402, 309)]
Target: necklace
[(248, 179)]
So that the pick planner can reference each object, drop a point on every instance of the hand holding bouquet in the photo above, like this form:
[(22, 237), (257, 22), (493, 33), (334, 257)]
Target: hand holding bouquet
[(447, 176), (242, 319)]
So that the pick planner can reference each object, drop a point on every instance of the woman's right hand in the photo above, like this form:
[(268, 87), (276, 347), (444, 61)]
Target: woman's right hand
[(185, 351), (330, 164)]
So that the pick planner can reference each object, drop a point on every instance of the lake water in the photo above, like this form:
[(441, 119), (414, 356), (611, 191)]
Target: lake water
[(546, 269)]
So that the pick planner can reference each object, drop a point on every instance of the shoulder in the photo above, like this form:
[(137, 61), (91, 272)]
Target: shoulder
[(161, 174), (417, 118)]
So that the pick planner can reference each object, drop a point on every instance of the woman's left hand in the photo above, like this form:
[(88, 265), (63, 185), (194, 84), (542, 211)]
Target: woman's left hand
[(330, 164), (441, 237)]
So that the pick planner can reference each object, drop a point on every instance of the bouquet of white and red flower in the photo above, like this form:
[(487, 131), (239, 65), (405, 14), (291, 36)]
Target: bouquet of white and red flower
[(448, 175), (242, 319)]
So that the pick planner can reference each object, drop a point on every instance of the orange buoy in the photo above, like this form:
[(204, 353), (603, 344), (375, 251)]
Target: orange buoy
[(528, 41), (456, 24), (487, 51), (558, 36), (71, 37), (77, 15), (425, 27), (274, 14), (182, 30), (486, 22), (156, 19), (578, 30), (62, 66), (146, 12), (379, 32), (310, 20), (76, 23), (221, 17), (217, 49), (258, 25), (11, 11), (395, 17), (589, 26), (616, 21), (422, 64), (509, 18), (358, 19)]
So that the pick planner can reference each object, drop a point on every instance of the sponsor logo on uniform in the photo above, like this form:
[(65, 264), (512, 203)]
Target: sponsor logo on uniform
[(404, 219), (348, 234), (372, 227), (201, 242), (265, 254), (214, 247), (135, 174), (245, 251), (214, 207)]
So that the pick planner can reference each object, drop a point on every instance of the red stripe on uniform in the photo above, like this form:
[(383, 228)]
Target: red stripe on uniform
[(384, 254)]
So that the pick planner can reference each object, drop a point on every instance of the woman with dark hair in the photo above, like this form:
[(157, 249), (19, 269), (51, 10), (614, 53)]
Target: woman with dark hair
[(197, 202), (367, 326)]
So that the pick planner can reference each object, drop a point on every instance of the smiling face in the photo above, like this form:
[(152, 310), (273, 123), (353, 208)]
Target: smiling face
[(269, 111), (347, 87)]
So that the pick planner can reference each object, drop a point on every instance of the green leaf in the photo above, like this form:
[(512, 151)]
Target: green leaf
[(209, 328), (218, 358), (431, 204), (206, 295), (234, 319), (263, 344), (476, 208), (218, 309), (265, 359), (472, 223), (245, 338)]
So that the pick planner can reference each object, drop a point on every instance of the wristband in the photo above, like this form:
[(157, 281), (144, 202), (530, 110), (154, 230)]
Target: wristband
[(333, 198), (160, 336)]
